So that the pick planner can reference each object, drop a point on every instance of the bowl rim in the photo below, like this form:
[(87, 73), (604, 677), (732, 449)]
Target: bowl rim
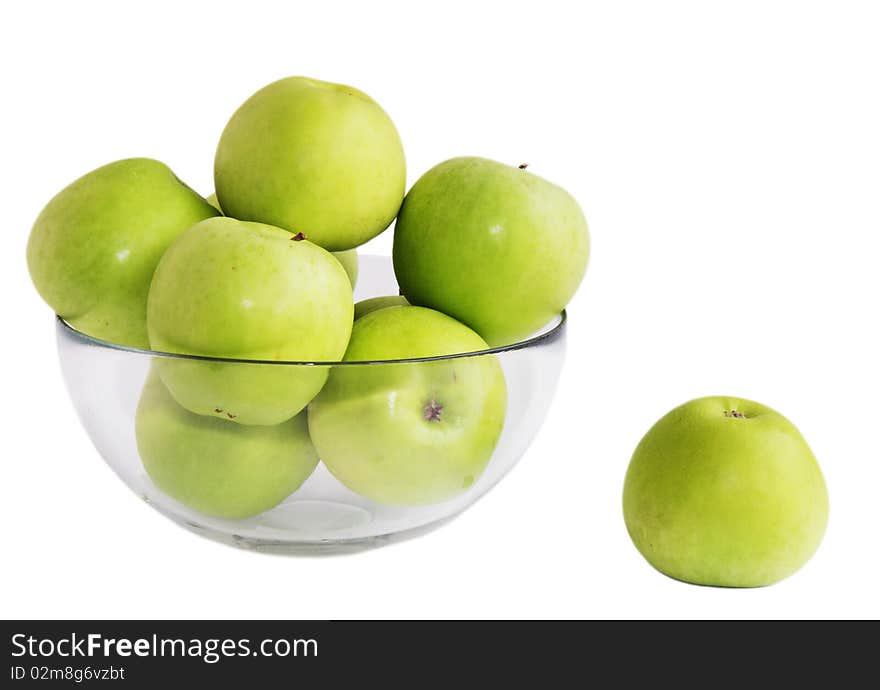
[(546, 336)]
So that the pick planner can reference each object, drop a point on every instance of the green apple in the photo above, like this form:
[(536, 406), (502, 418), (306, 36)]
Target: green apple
[(94, 247), (215, 467), (349, 261), (410, 433), (234, 289), (367, 306), (492, 245), (313, 157), (724, 491)]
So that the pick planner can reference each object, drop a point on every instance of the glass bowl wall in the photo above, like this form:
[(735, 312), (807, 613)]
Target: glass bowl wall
[(106, 381)]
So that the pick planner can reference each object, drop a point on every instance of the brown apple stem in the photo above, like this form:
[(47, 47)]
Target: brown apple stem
[(523, 166), (298, 237)]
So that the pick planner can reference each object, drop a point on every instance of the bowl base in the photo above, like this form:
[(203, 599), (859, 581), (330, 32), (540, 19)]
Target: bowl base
[(306, 547)]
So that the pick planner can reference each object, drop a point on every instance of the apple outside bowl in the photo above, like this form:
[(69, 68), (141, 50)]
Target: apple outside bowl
[(106, 380)]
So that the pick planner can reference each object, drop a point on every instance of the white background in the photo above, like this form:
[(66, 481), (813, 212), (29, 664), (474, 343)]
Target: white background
[(727, 156)]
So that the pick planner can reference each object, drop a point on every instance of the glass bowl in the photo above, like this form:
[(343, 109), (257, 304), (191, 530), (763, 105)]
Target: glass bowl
[(106, 382)]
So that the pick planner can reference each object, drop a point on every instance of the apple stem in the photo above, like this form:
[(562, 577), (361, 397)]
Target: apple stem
[(298, 237), (523, 166)]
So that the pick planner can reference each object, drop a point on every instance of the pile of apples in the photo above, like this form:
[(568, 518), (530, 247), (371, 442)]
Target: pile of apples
[(484, 253)]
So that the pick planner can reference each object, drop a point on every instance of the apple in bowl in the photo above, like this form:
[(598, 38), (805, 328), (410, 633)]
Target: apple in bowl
[(216, 467), (410, 433), (247, 291), (492, 245), (315, 157), (93, 249)]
